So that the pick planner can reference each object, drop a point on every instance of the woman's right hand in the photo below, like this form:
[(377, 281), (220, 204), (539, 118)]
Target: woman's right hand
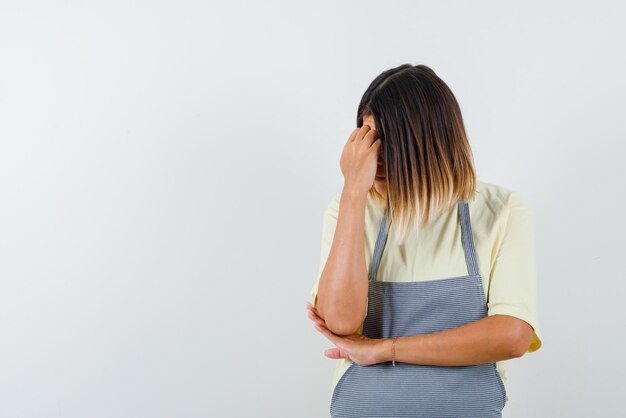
[(359, 159)]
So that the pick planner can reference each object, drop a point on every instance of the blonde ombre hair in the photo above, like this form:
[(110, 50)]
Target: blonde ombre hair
[(427, 158)]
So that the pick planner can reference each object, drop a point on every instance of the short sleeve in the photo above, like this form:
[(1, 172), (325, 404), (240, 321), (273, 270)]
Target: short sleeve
[(512, 280), (329, 223)]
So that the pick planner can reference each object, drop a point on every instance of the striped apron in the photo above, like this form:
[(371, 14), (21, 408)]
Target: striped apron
[(421, 307)]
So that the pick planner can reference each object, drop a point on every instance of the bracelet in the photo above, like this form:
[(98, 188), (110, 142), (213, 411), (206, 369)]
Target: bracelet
[(393, 351)]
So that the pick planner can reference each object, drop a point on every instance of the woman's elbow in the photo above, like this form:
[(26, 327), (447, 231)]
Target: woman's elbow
[(522, 338), (340, 323), (343, 327)]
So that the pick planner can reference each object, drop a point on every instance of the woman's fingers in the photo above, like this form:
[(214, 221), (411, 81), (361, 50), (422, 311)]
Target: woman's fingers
[(334, 353), (353, 134), (316, 318), (362, 132), (371, 137), (312, 309), (328, 334), (320, 325)]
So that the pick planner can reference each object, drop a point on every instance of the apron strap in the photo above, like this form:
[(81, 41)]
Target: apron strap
[(467, 240), (383, 230)]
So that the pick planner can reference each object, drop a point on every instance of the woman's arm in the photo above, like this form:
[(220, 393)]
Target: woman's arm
[(342, 289), (493, 338)]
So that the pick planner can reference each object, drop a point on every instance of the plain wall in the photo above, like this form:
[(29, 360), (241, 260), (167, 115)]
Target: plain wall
[(164, 168)]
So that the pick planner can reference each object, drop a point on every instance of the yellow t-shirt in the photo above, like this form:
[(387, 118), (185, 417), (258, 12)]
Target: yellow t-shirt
[(502, 225)]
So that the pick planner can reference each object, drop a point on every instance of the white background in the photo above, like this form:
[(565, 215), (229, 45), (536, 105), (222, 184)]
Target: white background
[(164, 168)]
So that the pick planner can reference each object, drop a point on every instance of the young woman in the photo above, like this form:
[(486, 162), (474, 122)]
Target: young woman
[(427, 278)]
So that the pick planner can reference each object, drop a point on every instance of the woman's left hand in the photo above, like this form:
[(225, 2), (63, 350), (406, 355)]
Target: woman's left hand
[(356, 347)]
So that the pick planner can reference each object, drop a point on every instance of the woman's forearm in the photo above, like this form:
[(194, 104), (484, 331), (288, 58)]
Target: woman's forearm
[(342, 289), (493, 338)]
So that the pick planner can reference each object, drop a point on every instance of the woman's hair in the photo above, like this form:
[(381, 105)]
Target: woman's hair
[(426, 154)]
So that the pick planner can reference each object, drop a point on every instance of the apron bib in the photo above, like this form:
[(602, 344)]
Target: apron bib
[(421, 307)]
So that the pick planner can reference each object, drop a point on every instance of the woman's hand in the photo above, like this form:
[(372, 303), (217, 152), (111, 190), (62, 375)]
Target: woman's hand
[(360, 159), (356, 347)]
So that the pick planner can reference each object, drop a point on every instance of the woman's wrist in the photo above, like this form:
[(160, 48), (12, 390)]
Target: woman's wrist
[(354, 191), (386, 349)]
